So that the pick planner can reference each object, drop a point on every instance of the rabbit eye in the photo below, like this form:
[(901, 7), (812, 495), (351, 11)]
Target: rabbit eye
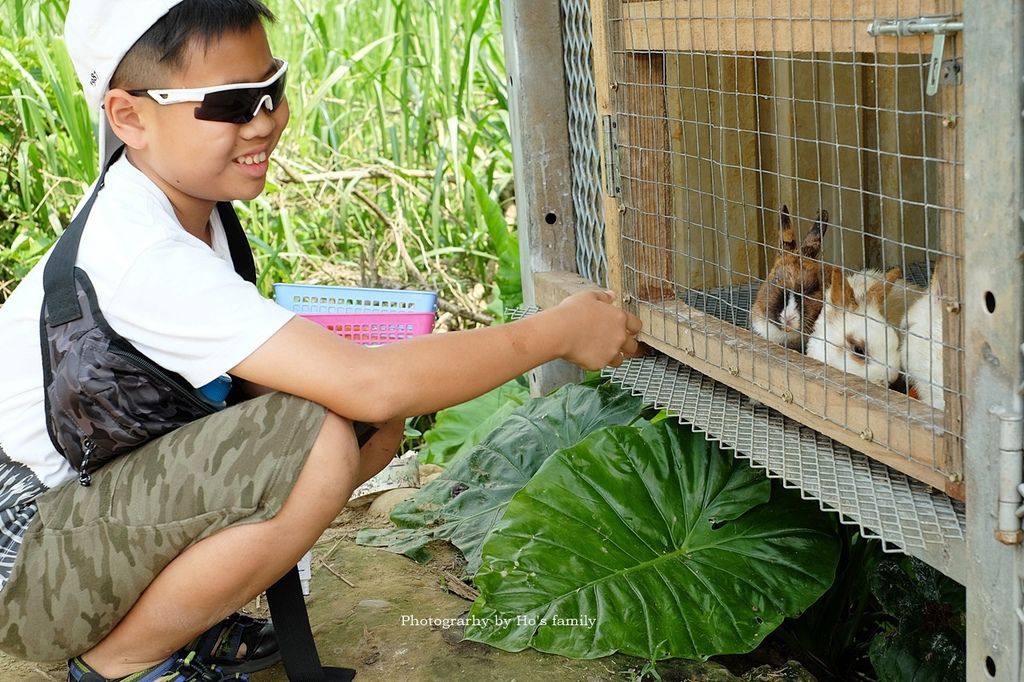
[(858, 349)]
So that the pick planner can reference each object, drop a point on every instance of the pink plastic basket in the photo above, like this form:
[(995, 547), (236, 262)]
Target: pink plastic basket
[(375, 329)]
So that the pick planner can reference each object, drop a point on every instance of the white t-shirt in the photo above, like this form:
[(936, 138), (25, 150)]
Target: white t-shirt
[(174, 298)]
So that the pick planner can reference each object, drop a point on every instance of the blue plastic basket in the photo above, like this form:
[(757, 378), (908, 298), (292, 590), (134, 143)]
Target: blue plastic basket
[(329, 300)]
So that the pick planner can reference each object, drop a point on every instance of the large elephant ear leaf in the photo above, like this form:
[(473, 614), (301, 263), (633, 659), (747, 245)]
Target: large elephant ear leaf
[(459, 428), (650, 542), (464, 503)]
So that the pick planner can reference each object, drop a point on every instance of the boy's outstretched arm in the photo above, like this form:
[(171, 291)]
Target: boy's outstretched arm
[(429, 373)]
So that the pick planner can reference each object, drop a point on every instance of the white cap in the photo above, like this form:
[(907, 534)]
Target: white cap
[(98, 34)]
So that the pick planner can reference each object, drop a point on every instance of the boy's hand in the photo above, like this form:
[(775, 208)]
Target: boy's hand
[(598, 334)]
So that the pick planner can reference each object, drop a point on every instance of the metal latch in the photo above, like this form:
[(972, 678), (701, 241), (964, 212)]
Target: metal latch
[(940, 27), (612, 180)]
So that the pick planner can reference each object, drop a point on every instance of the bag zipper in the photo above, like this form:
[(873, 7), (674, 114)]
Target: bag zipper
[(88, 447), (146, 364)]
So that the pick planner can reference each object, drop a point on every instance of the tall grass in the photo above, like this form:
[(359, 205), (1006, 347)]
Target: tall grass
[(396, 155)]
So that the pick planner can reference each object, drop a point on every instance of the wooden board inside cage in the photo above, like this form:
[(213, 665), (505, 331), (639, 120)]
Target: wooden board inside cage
[(748, 134), (770, 25), (728, 111)]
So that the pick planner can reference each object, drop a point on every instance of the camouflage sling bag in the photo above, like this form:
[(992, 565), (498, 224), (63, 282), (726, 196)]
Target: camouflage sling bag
[(103, 397)]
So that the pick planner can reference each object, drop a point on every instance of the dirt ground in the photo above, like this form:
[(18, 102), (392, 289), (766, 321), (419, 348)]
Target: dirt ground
[(359, 596)]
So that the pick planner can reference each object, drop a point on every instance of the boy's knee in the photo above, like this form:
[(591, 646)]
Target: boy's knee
[(333, 462), (338, 434)]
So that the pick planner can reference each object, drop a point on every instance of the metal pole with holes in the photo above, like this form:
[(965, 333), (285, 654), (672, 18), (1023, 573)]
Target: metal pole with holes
[(993, 294), (540, 155)]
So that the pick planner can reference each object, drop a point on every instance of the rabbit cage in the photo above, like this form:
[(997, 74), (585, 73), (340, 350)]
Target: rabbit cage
[(777, 188), (726, 122)]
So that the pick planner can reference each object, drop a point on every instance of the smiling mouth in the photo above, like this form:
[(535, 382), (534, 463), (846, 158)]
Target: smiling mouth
[(252, 160)]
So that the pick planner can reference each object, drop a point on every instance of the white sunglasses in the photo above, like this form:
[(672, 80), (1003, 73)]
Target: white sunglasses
[(232, 103)]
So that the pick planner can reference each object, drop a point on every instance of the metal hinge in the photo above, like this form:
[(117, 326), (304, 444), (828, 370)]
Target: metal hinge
[(612, 177), (940, 27), (1011, 474)]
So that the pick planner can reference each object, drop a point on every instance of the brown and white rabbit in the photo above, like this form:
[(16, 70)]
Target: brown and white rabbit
[(922, 347), (790, 299), (857, 330)]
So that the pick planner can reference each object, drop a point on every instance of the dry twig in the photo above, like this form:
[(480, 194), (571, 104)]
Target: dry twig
[(336, 574), (456, 586), (367, 172), (330, 552), (403, 254), (464, 313)]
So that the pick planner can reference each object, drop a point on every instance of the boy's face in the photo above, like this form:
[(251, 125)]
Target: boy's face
[(196, 162)]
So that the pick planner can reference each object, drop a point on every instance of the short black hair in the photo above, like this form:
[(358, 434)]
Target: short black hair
[(164, 48)]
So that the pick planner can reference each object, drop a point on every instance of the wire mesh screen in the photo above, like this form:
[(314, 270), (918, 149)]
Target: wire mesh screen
[(581, 96), (790, 208)]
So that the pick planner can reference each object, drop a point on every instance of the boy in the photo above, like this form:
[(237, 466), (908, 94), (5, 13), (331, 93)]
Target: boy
[(169, 540)]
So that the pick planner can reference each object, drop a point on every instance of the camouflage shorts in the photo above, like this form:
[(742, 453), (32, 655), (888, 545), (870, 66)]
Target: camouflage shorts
[(90, 552)]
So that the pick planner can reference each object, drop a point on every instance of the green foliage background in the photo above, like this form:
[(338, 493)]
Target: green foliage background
[(396, 168)]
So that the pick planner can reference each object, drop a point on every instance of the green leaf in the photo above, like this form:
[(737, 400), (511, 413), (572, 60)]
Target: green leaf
[(459, 428), (506, 245), (463, 504), (405, 541), (657, 543), (928, 640), (832, 636), (918, 656)]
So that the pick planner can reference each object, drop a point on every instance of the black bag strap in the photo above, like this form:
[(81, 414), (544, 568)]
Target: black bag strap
[(61, 298), (294, 636), (238, 243), (59, 274), (291, 621)]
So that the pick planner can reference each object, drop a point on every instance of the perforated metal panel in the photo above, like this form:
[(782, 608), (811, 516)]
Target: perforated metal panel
[(885, 504), (591, 261)]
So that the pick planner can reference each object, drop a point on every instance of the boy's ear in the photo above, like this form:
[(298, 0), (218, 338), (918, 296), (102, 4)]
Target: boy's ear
[(126, 117)]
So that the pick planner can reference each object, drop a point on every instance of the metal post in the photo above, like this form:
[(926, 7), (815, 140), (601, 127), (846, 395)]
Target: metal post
[(540, 154), (993, 294)]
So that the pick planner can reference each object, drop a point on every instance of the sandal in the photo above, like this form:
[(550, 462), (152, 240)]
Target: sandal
[(181, 667), (219, 646)]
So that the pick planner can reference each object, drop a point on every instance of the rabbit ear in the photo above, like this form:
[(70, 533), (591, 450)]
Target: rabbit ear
[(934, 283), (878, 291), (842, 295), (891, 276), (812, 242), (787, 237)]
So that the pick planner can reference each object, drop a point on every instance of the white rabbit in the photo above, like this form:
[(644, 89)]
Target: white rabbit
[(857, 331), (922, 347)]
